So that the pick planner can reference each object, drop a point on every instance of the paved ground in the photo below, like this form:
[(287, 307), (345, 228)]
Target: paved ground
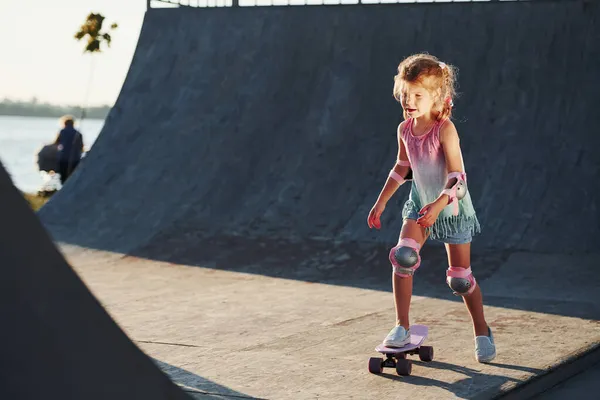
[(239, 334)]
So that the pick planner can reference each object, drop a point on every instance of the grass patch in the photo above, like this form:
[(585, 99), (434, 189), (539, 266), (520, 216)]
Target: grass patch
[(36, 201)]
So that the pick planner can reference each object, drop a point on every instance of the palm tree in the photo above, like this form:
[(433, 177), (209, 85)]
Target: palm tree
[(92, 28)]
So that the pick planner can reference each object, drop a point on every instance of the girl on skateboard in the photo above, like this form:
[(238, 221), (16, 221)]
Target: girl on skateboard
[(439, 205)]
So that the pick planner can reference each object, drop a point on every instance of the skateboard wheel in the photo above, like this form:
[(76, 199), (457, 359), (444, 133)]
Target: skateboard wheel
[(426, 353), (375, 365), (404, 367)]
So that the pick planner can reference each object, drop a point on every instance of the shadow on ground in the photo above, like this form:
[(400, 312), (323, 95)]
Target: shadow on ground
[(366, 266), (361, 265), (461, 388), (196, 385)]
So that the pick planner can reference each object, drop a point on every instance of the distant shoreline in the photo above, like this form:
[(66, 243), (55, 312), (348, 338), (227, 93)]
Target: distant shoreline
[(57, 116), (35, 109)]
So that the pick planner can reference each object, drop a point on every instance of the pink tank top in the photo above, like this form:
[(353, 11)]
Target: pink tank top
[(428, 163), (427, 160)]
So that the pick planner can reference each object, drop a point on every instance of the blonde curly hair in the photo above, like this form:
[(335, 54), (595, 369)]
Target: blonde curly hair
[(436, 76)]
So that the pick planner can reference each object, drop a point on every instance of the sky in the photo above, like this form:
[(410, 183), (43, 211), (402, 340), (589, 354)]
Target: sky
[(40, 58)]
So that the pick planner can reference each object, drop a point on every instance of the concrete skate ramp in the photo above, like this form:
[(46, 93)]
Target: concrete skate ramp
[(57, 341), (249, 127)]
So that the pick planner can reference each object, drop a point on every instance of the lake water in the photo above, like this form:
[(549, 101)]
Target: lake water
[(22, 137)]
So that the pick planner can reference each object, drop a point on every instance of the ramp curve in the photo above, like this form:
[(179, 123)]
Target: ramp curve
[(58, 341), (279, 123)]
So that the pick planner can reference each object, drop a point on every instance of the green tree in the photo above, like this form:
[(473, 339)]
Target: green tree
[(92, 28)]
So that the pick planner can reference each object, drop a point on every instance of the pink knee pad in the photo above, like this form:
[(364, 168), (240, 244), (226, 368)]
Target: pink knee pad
[(405, 257), (461, 280)]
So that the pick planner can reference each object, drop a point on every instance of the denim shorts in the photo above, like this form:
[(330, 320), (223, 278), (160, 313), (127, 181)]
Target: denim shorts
[(457, 238)]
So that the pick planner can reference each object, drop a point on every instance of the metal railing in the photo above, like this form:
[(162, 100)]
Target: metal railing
[(251, 3), (192, 3)]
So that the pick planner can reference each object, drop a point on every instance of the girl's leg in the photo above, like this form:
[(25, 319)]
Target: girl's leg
[(459, 256), (403, 285)]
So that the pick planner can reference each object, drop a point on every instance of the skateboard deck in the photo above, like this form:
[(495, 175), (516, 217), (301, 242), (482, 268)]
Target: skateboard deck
[(396, 356)]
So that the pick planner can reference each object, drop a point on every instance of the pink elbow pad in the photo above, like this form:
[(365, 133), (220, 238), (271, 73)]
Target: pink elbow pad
[(395, 176), (458, 191)]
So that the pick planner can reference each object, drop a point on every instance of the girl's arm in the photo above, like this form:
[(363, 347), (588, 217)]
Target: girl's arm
[(398, 173), (454, 163), (453, 191), (451, 145)]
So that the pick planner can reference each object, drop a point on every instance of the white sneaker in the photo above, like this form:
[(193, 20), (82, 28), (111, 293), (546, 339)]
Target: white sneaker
[(398, 337), (485, 348)]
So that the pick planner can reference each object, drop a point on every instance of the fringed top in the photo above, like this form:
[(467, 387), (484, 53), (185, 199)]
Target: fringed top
[(428, 164)]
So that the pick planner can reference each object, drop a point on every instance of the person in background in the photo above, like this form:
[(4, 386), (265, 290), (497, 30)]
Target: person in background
[(70, 148)]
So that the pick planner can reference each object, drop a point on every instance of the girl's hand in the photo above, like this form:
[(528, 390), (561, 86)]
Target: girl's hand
[(373, 219), (430, 213)]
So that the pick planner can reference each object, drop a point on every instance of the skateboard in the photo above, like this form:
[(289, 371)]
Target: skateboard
[(396, 356)]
